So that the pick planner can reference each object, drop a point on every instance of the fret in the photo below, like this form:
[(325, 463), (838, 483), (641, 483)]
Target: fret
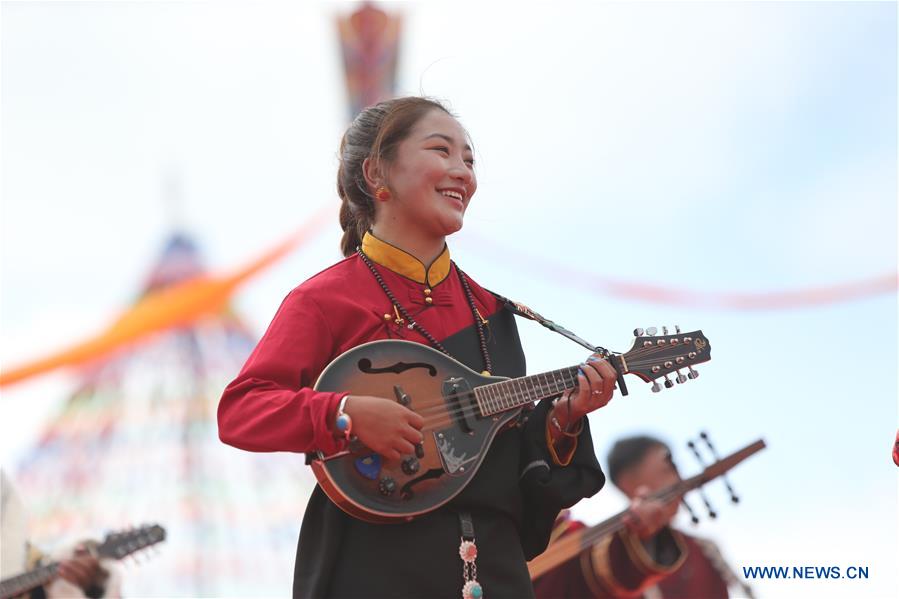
[(505, 388), (571, 381), (560, 380), (515, 393), (564, 385), (532, 390), (544, 385), (496, 392), (550, 384), (521, 392), (478, 394), (523, 386), (515, 398), (494, 398), (488, 407)]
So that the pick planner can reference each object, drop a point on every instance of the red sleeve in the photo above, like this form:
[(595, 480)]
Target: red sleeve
[(271, 406)]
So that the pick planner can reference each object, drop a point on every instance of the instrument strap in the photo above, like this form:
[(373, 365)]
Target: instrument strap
[(467, 526), (521, 310), (525, 312)]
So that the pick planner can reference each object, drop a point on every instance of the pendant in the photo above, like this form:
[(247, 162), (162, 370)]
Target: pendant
[(468, 551), (472, 590)]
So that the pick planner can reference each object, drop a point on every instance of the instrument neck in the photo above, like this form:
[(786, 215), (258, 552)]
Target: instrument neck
[(18, 585), (514, 393)]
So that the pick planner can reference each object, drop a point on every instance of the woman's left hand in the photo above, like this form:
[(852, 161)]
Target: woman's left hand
[(596, 386)]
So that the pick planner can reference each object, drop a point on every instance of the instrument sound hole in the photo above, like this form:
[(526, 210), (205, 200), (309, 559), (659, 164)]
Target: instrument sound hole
[(365, 366)]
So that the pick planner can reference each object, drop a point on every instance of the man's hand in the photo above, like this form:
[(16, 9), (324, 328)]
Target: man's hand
[(82, 570)]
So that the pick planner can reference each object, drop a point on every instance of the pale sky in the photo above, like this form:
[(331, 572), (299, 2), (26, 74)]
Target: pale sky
[(717, 147)]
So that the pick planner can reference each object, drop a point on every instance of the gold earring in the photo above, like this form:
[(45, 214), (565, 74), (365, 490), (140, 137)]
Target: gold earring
[(382, 193)]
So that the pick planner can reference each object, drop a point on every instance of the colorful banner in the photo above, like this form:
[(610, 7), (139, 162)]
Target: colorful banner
[(692, 298), (177, 303), (369, 40)]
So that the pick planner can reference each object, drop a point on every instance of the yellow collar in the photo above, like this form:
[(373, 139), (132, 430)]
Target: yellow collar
[(404, 263)]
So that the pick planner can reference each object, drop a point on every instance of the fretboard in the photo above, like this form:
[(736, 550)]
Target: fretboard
[(511, 394), (22, 583)]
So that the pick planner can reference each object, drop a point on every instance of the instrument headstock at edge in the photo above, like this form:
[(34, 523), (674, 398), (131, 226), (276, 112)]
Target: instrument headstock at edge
[(659, 356), (122, 543)]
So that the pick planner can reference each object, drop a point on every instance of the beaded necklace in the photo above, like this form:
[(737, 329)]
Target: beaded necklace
[(413, 324)]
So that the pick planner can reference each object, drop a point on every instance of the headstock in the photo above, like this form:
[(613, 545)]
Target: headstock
[(117, 545), (658, 356)]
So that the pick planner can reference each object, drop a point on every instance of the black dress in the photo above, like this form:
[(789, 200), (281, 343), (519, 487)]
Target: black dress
[(513, 500)]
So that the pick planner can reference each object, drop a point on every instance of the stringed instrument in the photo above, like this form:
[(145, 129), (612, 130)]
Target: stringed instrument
[(463, 411), (571, 545), (116, 545)]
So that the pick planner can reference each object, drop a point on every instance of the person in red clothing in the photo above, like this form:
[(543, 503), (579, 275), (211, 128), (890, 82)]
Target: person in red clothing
[(406, 177), (648, 558), (896, 449)]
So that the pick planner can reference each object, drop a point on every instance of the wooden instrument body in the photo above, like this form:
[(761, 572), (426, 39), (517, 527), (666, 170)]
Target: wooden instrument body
[(463, 412), (456, 435)]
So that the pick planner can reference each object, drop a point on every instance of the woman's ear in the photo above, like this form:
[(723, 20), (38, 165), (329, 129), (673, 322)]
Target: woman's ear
[(372, 172)]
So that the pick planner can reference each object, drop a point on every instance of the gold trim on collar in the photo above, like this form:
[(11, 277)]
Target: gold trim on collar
[(404, 263)]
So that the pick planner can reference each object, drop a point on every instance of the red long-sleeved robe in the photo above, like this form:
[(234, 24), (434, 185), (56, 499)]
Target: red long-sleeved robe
[(514, 497)]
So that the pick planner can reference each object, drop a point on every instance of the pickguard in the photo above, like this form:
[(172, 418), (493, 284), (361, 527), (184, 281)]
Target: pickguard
[(457, 449)]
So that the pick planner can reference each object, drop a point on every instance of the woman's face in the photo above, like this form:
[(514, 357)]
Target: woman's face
[(431, 178)]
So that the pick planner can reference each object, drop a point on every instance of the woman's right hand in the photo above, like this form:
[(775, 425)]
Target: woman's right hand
[(384, 426)]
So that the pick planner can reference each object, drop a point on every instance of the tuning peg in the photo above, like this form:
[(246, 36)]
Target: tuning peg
[(651, 331), (668, 382), (677, 329), (655, 387), (705, 500), (708, 442), (664, 330), (638, 332), (692, 374), (693, 517), (680, 377)]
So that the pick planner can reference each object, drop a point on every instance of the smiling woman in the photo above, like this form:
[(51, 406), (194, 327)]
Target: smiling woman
[(431, 180), (406, 177)]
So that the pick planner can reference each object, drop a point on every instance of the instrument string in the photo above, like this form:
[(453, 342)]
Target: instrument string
[(529, 389), (539, 391)]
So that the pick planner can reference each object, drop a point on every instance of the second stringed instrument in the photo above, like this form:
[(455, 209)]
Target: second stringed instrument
[(116, 545), (570, 546), (463, 411)]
